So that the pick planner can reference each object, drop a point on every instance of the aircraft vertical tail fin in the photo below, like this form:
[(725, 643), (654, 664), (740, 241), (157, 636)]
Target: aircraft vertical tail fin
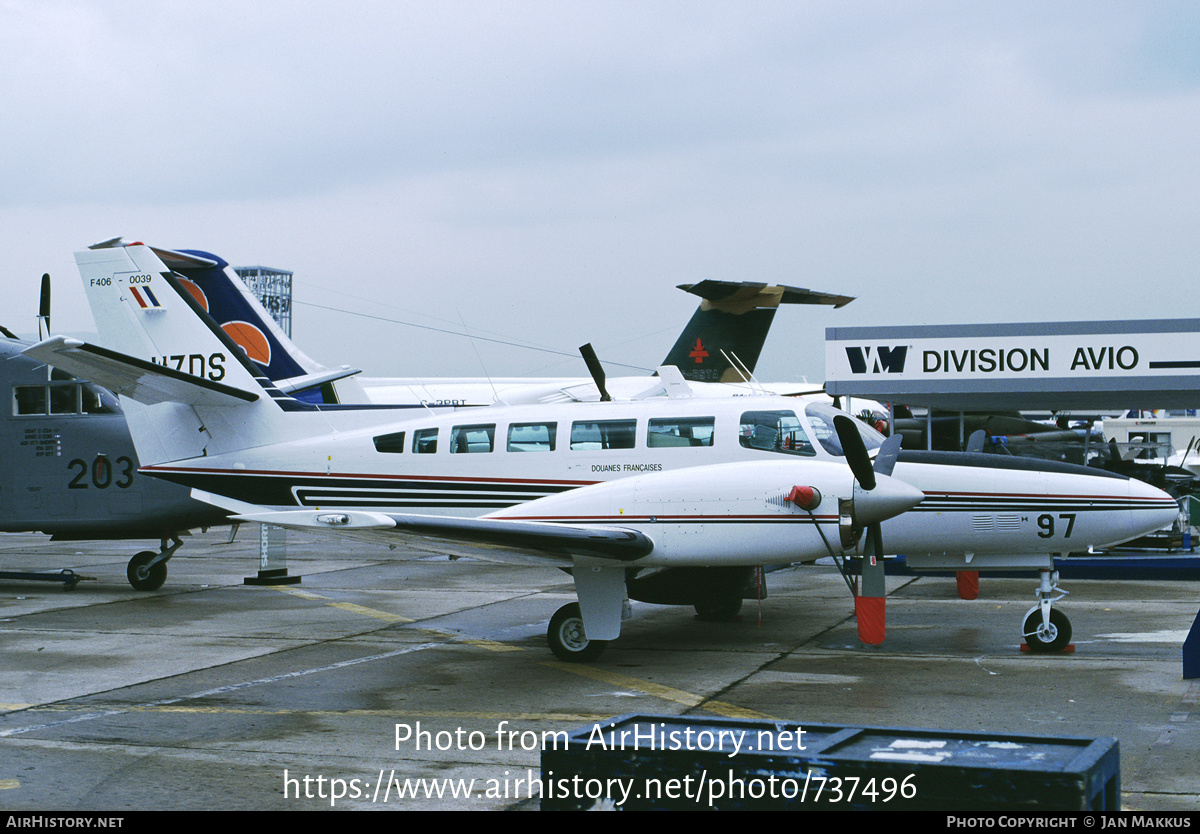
[(224, 296), (148, 317), (143, 309), (733, 321)]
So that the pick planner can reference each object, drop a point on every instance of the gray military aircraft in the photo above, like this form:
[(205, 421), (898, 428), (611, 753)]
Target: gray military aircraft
[(71, 471)]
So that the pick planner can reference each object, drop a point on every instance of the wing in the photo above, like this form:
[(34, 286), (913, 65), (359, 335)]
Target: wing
[(490, 539)]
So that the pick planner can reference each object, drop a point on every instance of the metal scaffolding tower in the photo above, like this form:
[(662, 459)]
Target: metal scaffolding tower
[(273, 288)]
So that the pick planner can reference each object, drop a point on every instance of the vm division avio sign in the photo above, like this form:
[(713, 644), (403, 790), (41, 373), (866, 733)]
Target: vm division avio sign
[(1105, 364)]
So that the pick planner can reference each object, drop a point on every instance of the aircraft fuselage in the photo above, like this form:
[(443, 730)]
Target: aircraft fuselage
[(481, 461), (71, 470)]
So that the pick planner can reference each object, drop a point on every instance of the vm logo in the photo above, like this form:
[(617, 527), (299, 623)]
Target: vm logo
[(882, 360)]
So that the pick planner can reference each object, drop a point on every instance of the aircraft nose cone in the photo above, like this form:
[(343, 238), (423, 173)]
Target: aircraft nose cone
[(890, 498), (1153, 509)]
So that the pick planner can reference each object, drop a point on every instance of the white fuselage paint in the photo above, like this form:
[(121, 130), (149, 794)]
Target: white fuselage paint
[(967, 508)]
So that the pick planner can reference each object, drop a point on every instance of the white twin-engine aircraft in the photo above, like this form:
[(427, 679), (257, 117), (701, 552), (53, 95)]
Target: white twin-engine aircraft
[(669, 499)]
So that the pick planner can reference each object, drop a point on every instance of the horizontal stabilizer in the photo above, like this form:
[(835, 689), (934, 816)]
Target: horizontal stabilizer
[(182, 260), (137, 379), (723, 339), (171, 258), (314, 380), (734, 296)]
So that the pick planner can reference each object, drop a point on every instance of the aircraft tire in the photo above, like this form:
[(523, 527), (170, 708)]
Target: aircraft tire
[(142, 575), (566, 637), (1055, 640), (718, 610)]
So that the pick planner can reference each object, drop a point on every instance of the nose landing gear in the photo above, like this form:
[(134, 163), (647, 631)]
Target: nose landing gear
[(1047, 629)]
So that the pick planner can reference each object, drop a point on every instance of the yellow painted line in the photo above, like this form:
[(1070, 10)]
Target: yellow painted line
[(490, 645), (387, 616), (369, 612), (362, 610), (296, 592), (457, 715), (9, 784), (666, 693), (656, 690), (14, 707)]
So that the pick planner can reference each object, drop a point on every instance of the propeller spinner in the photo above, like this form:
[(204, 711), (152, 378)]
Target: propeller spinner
[(875, 499)]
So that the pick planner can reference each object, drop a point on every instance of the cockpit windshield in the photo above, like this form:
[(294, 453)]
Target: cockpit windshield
[(97, 400), (775, 431), (820, 417)]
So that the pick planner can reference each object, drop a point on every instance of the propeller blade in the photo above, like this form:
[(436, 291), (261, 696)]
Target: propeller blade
[(881, 498), (597, 372), (975, 441), (885, 458), (1188, 452), (44, 305), (855, 451)]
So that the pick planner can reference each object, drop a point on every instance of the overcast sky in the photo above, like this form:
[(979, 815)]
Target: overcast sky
[(550, 171)]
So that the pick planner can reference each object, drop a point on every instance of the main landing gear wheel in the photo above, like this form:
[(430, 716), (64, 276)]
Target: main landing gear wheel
[(142, 575), (567, 640), (1044, 639), (718, 610)]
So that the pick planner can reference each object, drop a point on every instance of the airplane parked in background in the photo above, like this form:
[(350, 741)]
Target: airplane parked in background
[(70, 469), (720, 343), (73, 472), (634, 495), (1002, 432)]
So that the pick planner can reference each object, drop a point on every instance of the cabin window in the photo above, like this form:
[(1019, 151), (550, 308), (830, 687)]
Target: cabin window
[(425, 441), (775, 431), (29, 399), (64, 398), (681, 431), (392, 444), (532, 437), (603, 434), (468, 439)]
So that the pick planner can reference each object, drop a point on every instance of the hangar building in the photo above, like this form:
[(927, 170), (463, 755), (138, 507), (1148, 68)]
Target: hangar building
[(1061, 366)]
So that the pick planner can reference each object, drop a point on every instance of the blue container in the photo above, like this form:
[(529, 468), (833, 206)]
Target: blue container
[(663, 762)]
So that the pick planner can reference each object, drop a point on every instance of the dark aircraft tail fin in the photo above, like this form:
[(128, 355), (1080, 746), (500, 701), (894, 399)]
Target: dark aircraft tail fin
[(722, 341), (224, 296)]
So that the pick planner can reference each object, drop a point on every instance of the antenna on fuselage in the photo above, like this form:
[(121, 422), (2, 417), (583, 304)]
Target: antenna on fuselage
[(487, 376), (741, 367)]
